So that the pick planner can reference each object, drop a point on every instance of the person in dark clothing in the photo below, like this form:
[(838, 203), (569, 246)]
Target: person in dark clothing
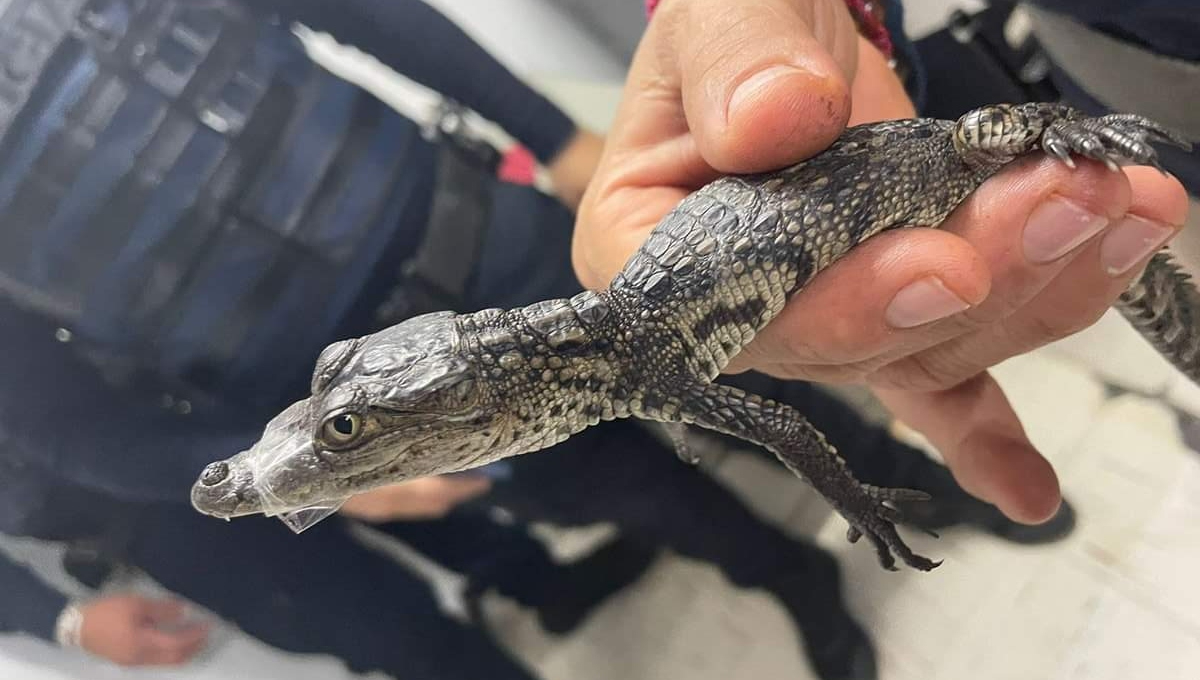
[(1134, 57), (192, 209)]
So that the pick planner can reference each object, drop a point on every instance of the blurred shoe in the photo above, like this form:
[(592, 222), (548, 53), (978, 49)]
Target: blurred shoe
[(951, 506), (961, 509), (582, 586), (837, 646), (563, 595)]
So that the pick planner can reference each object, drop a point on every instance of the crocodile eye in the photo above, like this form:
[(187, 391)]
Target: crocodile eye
[(342, 429)]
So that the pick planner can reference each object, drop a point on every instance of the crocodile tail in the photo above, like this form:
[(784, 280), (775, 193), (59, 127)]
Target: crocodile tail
[(1162, 305)]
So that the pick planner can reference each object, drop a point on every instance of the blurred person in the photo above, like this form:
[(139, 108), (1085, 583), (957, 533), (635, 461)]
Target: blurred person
[(191, 210), (273, 209), (330, 594), (127, 629)]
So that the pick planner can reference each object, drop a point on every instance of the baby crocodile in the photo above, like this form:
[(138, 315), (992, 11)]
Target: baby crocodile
[(444, 392)]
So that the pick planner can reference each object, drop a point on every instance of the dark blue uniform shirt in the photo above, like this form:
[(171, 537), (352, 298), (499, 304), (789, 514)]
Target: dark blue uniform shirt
[(107, 178)]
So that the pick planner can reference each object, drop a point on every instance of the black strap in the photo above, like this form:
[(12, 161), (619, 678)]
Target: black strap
[(436, 277)]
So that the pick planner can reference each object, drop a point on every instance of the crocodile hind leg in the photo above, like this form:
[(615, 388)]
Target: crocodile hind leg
[(803, 449)]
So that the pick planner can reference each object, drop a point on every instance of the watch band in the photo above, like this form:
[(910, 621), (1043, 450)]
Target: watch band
[(69, 625)]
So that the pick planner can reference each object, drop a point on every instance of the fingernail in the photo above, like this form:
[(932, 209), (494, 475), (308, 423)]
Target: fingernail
[(1057, 227), (751, 87), (1132, 240), (922, 301)]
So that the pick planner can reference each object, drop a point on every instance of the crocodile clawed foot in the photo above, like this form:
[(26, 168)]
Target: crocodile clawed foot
[(877, 521), (1115, 140), (679, 441)]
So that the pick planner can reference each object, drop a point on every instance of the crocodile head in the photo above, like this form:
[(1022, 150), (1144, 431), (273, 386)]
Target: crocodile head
[(402, 403)]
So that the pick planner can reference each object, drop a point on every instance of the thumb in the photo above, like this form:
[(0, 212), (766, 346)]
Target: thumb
[(764, 83)]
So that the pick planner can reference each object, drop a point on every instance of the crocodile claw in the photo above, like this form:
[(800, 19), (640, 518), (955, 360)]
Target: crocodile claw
[(877, 521), (1115, 140)]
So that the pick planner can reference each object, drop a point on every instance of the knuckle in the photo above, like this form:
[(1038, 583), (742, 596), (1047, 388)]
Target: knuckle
[(838, 341), (934, 369), (799, 350), (841, 373), (1043, 328), (1020, 284)]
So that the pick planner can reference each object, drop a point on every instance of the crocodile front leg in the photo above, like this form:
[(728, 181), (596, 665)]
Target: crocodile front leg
[(803, 449)]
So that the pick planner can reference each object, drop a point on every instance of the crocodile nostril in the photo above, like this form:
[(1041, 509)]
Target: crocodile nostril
[(214, 474)]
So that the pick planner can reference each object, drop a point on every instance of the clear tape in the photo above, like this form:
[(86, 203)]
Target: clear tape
[(300, 520), (285, 452)]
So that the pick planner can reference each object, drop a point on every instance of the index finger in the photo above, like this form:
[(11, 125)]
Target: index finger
[(977, 432)]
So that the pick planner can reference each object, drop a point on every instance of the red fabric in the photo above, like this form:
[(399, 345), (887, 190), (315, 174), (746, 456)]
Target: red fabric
[(518, 166), (868, 14)]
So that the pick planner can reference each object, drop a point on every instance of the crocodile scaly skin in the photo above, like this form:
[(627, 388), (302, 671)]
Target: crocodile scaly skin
[(443, 393)]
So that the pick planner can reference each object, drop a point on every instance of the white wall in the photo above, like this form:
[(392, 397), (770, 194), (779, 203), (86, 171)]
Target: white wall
[(534, 37), (922, 17)]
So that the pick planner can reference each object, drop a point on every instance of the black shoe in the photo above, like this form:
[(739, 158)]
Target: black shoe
[(961, 509), (837, 647), (841, 650), (88, 566), (952, 506), (582, 586), (563, 595)]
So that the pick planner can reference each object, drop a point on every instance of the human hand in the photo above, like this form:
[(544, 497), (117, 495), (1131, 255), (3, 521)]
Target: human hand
[(718, 87), (985, 287), (424, 498), (132, 630), (573, 167)]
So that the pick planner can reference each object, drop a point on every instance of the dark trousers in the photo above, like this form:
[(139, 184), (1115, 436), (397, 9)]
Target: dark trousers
[(620, 473), (870, 451), (321, 592)]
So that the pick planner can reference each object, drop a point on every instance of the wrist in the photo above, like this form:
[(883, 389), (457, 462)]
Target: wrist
[(572, 169), (68, 627)]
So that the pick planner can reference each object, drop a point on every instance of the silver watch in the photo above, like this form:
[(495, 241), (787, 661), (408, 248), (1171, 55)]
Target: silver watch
[(68, 626)]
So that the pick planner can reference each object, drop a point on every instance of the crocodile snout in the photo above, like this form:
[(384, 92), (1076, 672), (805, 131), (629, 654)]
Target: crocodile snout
[(214, 474)]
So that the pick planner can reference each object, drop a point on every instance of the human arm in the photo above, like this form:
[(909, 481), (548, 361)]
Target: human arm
[(421, 43), (1168, 27), (719, 87), (130, 630)]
